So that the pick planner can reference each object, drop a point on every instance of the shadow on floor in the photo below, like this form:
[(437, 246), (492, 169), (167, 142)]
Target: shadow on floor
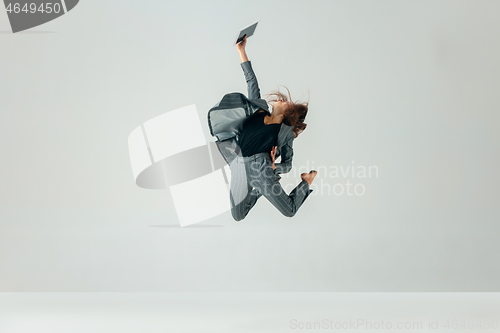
[(189, 226)]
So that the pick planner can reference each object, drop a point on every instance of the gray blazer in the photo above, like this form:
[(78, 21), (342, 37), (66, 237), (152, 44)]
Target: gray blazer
[(226, 120)]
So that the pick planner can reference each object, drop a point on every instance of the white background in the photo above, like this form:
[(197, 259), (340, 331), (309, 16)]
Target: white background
[(408, 86)]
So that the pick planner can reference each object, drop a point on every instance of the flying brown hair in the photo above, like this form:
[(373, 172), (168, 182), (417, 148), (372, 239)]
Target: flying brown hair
[(295, 114)]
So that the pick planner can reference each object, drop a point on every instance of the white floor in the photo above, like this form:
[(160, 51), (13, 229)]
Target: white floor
[(248, 312)]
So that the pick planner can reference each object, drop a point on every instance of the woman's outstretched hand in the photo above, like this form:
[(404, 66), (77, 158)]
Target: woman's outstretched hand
[(242, 44), (273, 156), (241, 49)]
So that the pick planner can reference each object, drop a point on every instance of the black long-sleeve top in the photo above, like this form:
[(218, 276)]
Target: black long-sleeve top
[(257, 137)]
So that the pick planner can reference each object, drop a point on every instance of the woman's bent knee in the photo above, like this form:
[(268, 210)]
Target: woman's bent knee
[(237, 216), (289, 213)]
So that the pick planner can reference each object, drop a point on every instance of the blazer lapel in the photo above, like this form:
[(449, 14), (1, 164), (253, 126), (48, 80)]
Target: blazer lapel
[(285, 134)]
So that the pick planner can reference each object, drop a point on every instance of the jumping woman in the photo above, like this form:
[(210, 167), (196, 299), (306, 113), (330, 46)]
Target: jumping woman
[(250, 138)]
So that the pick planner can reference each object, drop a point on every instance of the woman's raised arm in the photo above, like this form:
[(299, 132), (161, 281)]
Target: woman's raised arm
[(252, 84)]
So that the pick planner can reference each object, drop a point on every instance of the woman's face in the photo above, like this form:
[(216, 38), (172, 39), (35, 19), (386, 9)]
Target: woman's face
[(279, 107)]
